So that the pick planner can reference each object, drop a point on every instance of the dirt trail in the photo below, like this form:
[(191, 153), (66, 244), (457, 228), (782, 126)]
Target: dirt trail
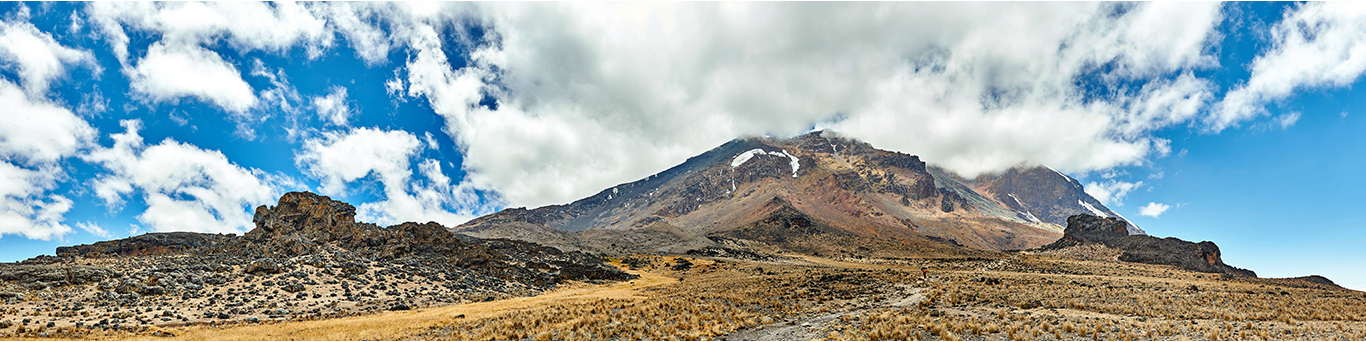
[(402, 324), (813, 327)]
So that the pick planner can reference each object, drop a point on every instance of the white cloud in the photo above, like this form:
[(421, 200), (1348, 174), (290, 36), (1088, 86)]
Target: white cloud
[(340, 158), (282, 95), (94, 229), (169, 73), (37, 131), (184, 187), (352, 20), (37, 57), (431, 141), (1153, 209), (1288, 119), (35, 134), (980, 87), (1316, 45), (179, 64), (333, 107), (337, 159), (394, 87), (1111, 191), (274, 27), (25, 209)]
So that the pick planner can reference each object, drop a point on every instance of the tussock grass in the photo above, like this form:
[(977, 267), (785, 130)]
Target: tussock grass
[(1036, 298)]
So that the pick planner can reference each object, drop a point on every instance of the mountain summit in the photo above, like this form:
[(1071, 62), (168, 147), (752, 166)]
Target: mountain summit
[(846, 189)]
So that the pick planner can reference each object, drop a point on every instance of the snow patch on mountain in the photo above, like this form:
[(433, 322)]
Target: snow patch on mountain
[(1056, 171), (1093, 209), (741, 158), (1028, 215), (792, 160)]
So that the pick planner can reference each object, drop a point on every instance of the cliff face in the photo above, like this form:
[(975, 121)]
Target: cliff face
[(1111, 232)]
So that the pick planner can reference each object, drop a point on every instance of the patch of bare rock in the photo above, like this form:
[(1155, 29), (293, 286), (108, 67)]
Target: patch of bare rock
[(1084, 232), (307, 258)]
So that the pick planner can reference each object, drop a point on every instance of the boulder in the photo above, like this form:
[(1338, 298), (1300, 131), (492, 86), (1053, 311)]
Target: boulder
[(262, 266)]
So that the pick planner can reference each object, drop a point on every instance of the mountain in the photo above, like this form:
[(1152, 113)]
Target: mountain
[(817, 184), (1030, 194)]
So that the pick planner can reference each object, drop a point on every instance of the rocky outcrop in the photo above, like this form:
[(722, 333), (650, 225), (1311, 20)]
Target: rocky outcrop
[(1113, 233), (39, 277), (303, 223), (951, 201), (146, 244), (308, 244), (1043, 194), (1082, 229)]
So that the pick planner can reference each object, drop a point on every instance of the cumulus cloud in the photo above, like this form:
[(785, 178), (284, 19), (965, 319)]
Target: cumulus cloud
[(185, 188), (179, 65), (1153, 209), (340, 158), (36, 131), (975, 87), (246, 26), (1111, 191), (34, 137), (169, 73), (1316, 45), (333, 107), (337, 159), (37, 58), (25, 209)]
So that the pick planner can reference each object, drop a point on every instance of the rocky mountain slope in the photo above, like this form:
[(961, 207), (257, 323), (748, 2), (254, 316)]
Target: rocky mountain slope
[(846, 187), (1030, 194), (306, 258), (1112, 233)]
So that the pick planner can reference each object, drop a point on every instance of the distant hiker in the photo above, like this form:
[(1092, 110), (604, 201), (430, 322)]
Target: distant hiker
[(924, 271)]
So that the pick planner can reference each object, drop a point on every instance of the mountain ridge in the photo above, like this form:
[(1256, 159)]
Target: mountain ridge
[(848, 183)]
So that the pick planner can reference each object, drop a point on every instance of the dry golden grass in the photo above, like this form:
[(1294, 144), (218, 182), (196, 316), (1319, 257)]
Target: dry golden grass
[(1037, 298), (1062, 299), (708, 302)]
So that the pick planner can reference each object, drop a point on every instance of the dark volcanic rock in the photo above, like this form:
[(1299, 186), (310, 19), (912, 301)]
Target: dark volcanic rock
[(38, 276), (1082, 229), (1111, 232), (299, 251), (146, 244), (303, 222), (952, 200)]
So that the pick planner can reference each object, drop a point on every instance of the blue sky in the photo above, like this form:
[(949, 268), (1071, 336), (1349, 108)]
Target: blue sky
[(1233, 123)]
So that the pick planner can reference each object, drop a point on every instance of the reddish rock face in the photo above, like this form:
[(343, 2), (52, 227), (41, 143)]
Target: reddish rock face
[(1210, 252)]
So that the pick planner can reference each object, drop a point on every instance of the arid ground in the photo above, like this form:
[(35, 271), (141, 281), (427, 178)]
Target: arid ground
[(1022, 296)]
